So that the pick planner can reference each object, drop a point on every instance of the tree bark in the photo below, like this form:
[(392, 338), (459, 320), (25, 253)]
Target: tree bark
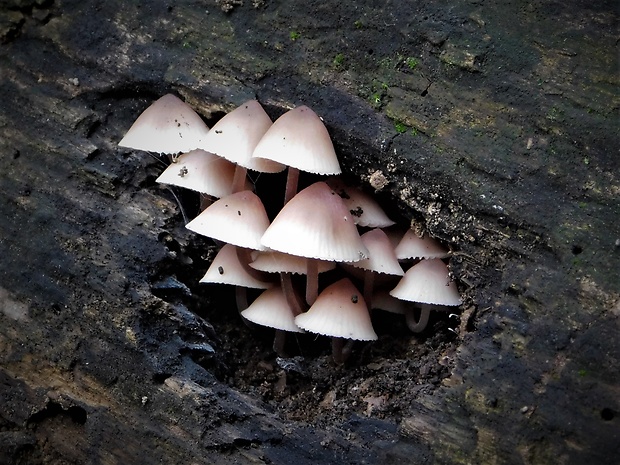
[(491, 127)]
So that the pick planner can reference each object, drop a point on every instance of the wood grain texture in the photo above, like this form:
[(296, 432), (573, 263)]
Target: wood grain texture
[(501, 140)]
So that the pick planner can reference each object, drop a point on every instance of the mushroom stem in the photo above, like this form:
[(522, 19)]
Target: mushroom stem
[(312, 280), (419, 325), (292, 180), (239, 179), (278, 342), (293, 300), (369, 283), (241, 297), (341, 349), (245, 257), (185, 218), (205, 201)]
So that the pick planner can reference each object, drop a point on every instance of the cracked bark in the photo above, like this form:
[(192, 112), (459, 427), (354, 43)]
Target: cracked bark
[(506, 157)]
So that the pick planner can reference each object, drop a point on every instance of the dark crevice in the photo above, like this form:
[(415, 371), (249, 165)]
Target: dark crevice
[(160, 378), (607, 414), (53, 409)]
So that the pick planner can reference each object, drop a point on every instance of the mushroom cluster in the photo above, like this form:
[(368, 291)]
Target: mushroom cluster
[(326, 226)]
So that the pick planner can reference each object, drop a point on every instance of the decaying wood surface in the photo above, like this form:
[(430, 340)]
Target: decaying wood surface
[(492, 127)]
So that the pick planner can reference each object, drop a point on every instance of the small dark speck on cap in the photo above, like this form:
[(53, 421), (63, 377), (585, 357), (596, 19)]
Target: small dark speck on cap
[(354, 298), (220, 270)]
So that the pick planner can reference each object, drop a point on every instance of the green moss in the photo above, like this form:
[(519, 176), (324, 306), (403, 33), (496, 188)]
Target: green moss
[(294, 35), (554, 114), (375, 92), (400, 127), (338, 61), (375, 99), (411, 62), (386, 62)]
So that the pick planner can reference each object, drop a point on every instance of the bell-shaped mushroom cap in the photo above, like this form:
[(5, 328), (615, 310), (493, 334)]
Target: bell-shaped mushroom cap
[(382, 300), (202, 172), (169, 126), (271, 309), (381, 256), (428, 282), (271, 261), (238, 219), (235, 136), (299, 139), (364, 209), (316, 224), (413, 246), (339, 311), (227, 269)]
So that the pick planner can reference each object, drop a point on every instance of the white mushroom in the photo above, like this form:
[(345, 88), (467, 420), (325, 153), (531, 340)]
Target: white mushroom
[(315, 224), (235, 137), (168, 126), (339, 312), (271, 309), (299, 140), (427, 283)]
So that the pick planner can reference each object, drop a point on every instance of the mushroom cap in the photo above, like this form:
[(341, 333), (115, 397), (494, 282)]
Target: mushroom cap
[(299, 139), (271, 309), (428, 282), (382, 300), (316, 224), (379, 279), (169, 126), (339, 311), (381, 256), (226, 269), (364, 209), (272, 261), (201, 171), (414, 246), (235, 136), (238, 219)]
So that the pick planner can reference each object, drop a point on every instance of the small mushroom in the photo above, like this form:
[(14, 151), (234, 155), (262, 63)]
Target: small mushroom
[(365, 210), (428, 284), (168, 126), (339, 312), (381, 260), (315, 224), (226, 268), (286, 265), (382, 300), (271, 309), (202, 172), (238, 219), (299, 140), (271, 261), (414, 246), (234, 138)]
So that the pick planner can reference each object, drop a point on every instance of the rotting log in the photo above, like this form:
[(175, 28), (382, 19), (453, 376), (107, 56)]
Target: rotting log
[(499, 137)]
